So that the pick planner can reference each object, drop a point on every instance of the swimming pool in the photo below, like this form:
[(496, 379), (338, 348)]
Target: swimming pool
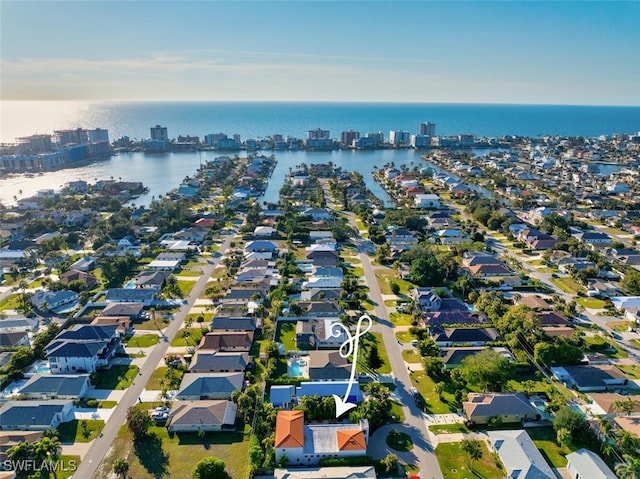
[(43, 369), (298, 368)]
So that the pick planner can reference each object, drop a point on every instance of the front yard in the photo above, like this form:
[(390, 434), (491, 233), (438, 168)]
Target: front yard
[(453, 465)]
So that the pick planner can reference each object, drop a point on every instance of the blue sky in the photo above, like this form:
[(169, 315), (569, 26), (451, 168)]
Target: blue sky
[(480, 52)]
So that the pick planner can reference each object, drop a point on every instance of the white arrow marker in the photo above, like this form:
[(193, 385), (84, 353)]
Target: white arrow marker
[(348, 348)]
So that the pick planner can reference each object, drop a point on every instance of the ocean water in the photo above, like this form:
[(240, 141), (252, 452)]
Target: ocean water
[(260, 119), (163, 172)]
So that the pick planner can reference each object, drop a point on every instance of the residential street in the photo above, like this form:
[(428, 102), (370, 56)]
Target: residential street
[(422, 455), (101, 445)]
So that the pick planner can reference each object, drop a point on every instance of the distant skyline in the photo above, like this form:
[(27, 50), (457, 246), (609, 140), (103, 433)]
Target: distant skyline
[(572, 53)]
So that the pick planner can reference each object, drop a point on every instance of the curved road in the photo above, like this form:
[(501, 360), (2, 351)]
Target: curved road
[(101, 445), (422, 455)]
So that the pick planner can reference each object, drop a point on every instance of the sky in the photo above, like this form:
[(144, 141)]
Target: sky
[(535, 52)]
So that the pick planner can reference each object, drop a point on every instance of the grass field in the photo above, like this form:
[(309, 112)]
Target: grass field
[(426, 387), (453, 464), (116, 377), (74, 431), (142, 341), (600, 344), (187, 273), (405, 336), (567, 285), (185, 287), (591, 303), (630, 370), (400, 319), (154, 383), (286, 334), (448, 428), (10, 302), (411, 356), (386, 276), (545, 440), (174, 456), (188, 337), (399, 441)]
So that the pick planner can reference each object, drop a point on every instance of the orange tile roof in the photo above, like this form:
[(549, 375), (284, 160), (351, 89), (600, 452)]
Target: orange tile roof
[(289, 429), (351, 440)]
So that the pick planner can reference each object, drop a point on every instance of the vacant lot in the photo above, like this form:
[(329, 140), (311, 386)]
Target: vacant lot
[(142, 341), (567, 285), (174, 456), (286, 334), (80, 431), (116, 377)]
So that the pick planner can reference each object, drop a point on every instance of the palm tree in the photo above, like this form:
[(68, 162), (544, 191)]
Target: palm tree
[(121, 467), (629, 469), (625, 405), (473, 450)]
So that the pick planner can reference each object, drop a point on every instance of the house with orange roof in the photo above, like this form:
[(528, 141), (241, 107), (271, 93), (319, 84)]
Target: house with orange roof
[(305, 444)]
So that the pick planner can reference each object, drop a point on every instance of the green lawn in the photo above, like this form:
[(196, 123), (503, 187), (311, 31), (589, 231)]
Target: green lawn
[(405, 336), (545, 439), (567, 285), (95, 403), (630, 370), (36, 283), (74, 431), (151, 324), (185, 287), (366, 342), (411, 356), (286, 334), (67, 466), (548, 270), (188, 273), (188, 337), (116, 377), (536, 262), (426, 387), (620, 326), (400, 319), (602, 345), (453, 463), (10, 302), (368, 305), (157, 376), (386, 276), (591, 303), (399, 441), (175, 455), (142, 341), (448, 428), (396, 411)]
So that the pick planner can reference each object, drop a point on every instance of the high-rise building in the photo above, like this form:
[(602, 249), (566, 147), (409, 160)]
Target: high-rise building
[(159, 133), (399, 137), (318, 134), (378, 138), (427, 129), (347, 137), (67, 137), (99, 134)]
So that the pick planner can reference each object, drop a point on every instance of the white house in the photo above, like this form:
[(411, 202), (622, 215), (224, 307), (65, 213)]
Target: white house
[(586, 464), (520, 455), (307, 444), (429, 201)]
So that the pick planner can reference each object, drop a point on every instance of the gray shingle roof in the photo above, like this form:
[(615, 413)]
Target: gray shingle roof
[(55, 385)]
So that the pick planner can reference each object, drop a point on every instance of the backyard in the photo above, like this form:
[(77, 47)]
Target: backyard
[(286, 334)]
